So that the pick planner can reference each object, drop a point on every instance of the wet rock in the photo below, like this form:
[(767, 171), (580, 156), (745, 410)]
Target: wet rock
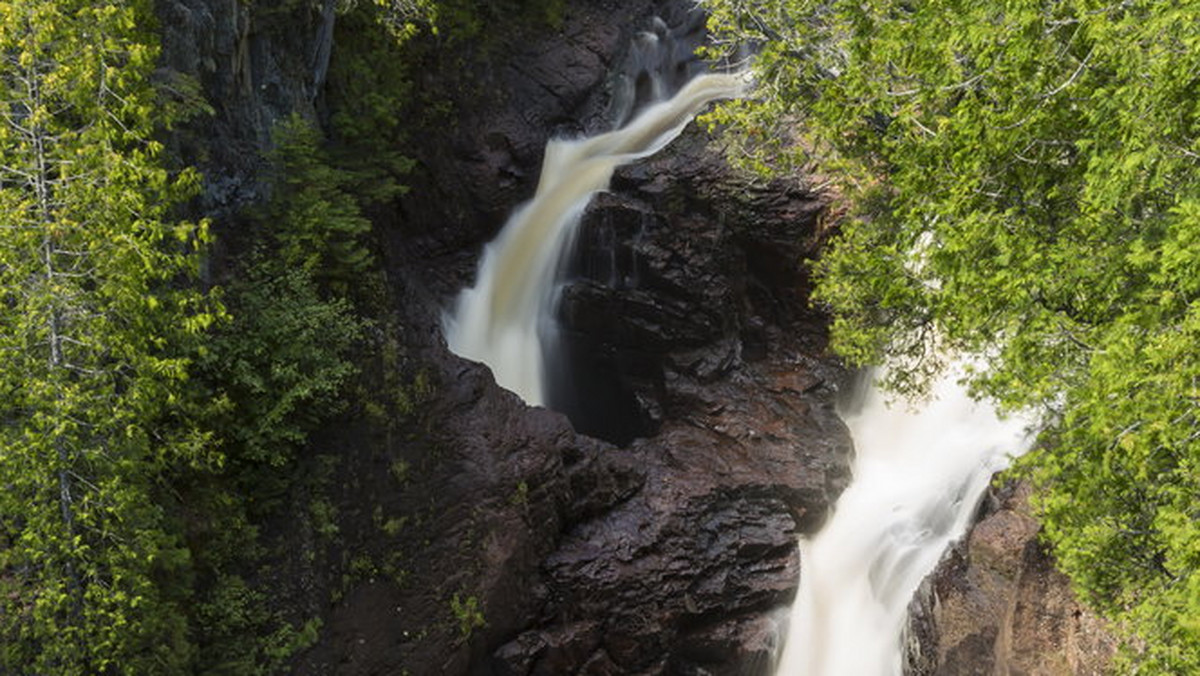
[(747, 647), (996, 605), (539, 85), (520, 545), (675, 548), (683, 273), (684, 571)]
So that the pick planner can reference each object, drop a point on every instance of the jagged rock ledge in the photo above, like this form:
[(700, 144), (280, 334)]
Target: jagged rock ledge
[(513, 543)]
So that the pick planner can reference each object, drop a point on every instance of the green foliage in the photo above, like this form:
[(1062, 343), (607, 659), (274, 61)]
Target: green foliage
[(272, 375), (468, 614), (324, 518), (97, 328), (1025, 185), (462, 20), (253, 640), (145, 435), (279, 368), (315, 223), (282, 366), (520, 495), (400, 471), (369, 90)]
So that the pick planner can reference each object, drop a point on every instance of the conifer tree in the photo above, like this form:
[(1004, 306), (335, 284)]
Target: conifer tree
[(97, 323)]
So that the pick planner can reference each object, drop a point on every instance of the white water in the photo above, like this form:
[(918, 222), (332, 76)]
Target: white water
[(501, 321), (918, 477)]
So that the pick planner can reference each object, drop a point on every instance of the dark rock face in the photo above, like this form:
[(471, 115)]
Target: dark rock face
[(685, 573), (686, 320), (255, 68), (996, 605), (693, 301), (683, 274), (525, 547), (484, 496)]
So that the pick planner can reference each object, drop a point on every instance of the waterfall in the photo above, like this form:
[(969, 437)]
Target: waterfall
[(918, 474), (503, 320), (918, 477)]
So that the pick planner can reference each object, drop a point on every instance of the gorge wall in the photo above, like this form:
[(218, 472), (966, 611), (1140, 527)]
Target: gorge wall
[(674, 553), (997, 605), (478, 535)]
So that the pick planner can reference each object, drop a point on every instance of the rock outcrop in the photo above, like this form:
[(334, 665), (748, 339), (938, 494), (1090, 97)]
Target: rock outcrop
[(673, 552), (685, 573), (544, 551), (997, 605), (478, 535)]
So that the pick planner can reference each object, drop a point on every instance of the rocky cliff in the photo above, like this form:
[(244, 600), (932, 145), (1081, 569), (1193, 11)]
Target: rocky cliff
[(479, 535), (254, 68), (996, 605), (672, 549)]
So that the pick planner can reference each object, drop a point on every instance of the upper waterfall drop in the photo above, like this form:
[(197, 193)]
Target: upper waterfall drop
[(918, 477), (503, 319)]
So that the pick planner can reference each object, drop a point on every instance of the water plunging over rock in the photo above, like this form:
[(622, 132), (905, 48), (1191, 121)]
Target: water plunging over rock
[(918, 476), (505, 319), (997, 604)]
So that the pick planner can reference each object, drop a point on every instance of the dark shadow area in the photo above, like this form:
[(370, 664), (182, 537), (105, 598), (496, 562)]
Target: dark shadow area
[(585, 381)]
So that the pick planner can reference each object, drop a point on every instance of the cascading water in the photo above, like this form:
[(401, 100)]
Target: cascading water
[(918, 474), (504, 319), (918, 477)]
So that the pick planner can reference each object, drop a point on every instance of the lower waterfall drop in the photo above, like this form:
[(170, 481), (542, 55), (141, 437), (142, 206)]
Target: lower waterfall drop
[(501, 321), (919, 474)]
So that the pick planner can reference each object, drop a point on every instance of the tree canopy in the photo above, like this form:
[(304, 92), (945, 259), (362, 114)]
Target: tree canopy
[(95, 337), (125, 389), (1024, 187)]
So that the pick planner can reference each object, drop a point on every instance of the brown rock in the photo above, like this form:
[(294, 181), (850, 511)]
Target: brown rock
[(520, 546), (996, 605), (681, 546)]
